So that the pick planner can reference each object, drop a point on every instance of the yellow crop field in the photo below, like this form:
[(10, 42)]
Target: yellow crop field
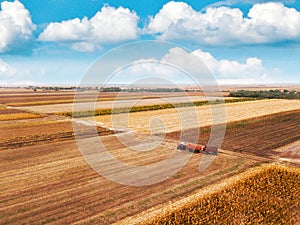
[(2, 107), (268, 194), (169, 120), (18, 116)]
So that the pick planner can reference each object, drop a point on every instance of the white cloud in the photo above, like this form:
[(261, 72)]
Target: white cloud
[(16, 26), (273, 21), (84, 46), (151, 67), (109, 25), (250, 2), (177, 64), (224, 70), (232, 71), (20, 73), (265, 23), (153, 70), (6, 70), (69, 30)]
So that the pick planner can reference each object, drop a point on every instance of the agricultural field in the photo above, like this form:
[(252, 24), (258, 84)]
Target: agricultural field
[(272, 132), (53, 183), (7, 113), (176, 119), (263, 195), (40, 131), (142, 100), (44, 179), (26, 98)]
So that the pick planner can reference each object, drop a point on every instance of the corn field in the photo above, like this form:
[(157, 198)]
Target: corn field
[(266, 195)]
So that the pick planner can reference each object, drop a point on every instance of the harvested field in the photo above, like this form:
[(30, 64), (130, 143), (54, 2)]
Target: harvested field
[(137, 100), (289, 154), (4, 111), (18, 116), (7, 113), (263, 195), (28, 98), (38, 132), (171, 120), (52, 183), (145, 108), (259, 136), (45, 179), (14, 114)]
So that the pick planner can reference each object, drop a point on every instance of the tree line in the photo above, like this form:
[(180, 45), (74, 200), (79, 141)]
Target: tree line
[(270, 94)]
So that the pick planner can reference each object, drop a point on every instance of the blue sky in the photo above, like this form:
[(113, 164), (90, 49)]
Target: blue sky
[(56, 41)]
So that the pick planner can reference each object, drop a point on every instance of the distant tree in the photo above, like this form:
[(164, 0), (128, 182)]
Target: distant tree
[(286, 94)]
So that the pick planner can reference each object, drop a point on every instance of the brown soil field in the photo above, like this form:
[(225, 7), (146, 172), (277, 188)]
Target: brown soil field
[(41, 131), (259, 136), (51, 183), (267, 194), (14, 114), (50, 98), (8, 111), (45, 179)]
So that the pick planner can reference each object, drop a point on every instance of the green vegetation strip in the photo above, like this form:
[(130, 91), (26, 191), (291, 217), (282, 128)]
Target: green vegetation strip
[(101, 112), (270, 94)]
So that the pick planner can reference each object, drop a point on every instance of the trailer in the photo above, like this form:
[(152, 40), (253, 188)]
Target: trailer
[(198, 148), (210, 150)]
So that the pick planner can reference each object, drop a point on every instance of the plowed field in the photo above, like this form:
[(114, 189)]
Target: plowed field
[(259, 136)]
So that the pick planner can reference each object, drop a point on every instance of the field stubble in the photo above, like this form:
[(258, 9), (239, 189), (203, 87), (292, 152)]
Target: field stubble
[(51, 183), (171, 120)]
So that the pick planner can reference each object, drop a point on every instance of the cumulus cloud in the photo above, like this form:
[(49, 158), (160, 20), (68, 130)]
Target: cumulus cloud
[(109, 25), (250, 2), (6, 70), (12, 73), (177, 66), (265, 23), (151, 67), (84, 46), (16, 26), (232, 71), (145, 70), (224, 70)]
